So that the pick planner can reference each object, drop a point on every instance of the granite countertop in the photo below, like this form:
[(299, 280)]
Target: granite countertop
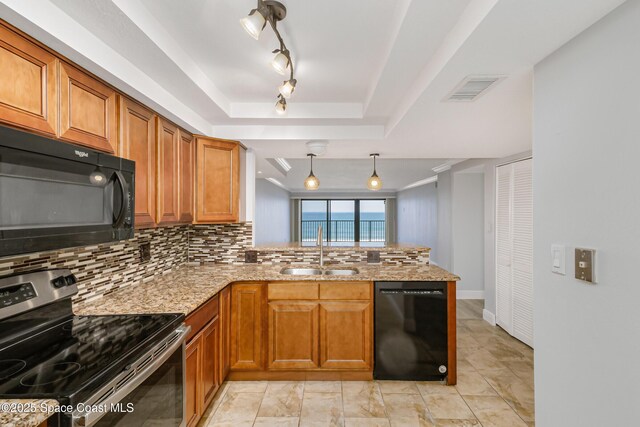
[(187, 287), (340, 246), (33, 412)]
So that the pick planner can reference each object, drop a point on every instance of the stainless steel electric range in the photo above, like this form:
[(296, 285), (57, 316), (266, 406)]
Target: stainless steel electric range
[(121, 370)]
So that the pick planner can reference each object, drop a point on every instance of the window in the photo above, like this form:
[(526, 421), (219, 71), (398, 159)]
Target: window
[(345, 221)]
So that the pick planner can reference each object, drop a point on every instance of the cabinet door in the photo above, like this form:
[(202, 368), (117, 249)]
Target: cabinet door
[(28, 90), (345, 335), (210, 360), (193, 373), (247, 316), (293, 335), (167, 175), (185, 178), (225, 323), (137, 142), (217, 180), (87, 110)]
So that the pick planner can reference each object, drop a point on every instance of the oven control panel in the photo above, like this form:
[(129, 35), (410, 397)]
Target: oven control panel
[(16, 294)]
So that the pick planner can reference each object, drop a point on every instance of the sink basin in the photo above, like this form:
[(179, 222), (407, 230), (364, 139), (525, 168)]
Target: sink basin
[(341, 272), (301, 271)]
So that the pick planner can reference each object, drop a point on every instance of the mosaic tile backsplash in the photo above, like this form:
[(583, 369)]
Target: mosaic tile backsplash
[(219, 243), (388, 256), (103, 268)]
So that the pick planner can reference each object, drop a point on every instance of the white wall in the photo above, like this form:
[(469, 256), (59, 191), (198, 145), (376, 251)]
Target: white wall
[(467, 215), (587, 194), (417, 217), (272, 223)]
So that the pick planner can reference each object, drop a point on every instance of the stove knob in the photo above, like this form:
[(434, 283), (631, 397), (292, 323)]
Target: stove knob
[(71, 280), (59, 282)]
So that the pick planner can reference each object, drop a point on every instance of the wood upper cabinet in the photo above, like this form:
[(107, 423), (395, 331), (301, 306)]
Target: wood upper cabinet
[(186, 155), (217, 180), (210, 359), (193, 368), (225, 330), (87, 110), (167, 172), (344, 347), (248, 303), (138, 143), (293, 335), (28, 87)]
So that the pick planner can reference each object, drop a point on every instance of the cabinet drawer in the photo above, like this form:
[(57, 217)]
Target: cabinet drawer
[(203, 315), (345, 290), (293, 290)]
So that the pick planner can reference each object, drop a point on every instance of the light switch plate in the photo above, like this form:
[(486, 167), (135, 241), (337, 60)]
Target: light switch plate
[(558, 259), (586, 265)]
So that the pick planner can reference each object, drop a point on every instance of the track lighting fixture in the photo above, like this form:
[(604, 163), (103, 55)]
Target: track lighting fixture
[(273, 11), (281, 105), (374, 183), (311, 183)]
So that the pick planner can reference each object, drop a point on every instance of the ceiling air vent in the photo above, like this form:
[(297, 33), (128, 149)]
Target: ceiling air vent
[(472, 87)]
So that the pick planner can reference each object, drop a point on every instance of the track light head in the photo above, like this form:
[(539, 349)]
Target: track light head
[(281, 105), (281, 62), (287, 88), (254, 23)]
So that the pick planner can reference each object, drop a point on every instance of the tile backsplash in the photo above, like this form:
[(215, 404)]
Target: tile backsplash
[(101, 269), (219, 243)]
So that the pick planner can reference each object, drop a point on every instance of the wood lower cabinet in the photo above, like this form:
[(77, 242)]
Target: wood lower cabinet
[(186, 157), (225, 331), (28, 87), (217, 180), (211, 350), (346, 334), (168, 143), (293, 335), (248, 303), (193, 368), (87, 110), (138, 143)]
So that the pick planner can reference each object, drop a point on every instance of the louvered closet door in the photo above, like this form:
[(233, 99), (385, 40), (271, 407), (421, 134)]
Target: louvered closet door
[(504, 280), (514, 249)]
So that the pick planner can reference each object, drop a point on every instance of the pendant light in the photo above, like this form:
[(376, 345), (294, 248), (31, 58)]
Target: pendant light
[(281, 105), (311, 183), (374, 183)]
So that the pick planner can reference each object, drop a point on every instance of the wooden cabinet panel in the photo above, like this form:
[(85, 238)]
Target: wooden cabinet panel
[(193, 367), (217, 180), (138, 143), (87, 110), (345, 290), (225, 330), (293, 290), (293, 335), (247, 333), (346, 347), (28, 87), (167, 172), (202, 315), (185, 177), (210, 359)]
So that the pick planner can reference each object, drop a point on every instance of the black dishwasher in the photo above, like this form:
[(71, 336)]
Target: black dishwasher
[(410, 331)]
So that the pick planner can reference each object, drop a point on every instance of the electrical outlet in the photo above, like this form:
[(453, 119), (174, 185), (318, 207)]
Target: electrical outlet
[(251, 257), (145, 251), (373, 257)]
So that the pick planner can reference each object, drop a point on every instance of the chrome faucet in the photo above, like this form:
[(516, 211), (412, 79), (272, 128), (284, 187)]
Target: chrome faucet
[(320, 242)]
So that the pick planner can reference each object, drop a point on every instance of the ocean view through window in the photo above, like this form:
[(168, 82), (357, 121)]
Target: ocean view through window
[(347, 221)]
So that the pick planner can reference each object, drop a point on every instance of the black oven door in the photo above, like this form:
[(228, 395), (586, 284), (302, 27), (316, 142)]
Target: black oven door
[(55, 195)]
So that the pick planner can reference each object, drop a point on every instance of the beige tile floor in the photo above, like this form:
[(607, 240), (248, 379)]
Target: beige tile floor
[(495, 388)]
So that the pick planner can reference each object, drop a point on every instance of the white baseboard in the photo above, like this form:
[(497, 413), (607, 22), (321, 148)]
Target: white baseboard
[(489, 317), (460, 294)]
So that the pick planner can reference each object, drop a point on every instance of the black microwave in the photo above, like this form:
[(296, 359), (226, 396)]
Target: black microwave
[(55, 195)]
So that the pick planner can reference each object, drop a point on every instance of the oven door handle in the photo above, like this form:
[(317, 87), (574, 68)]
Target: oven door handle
[(85, 419), (124, 208)]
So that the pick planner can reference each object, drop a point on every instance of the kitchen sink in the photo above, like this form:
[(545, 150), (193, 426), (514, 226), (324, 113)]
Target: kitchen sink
[(301, 271), (341, 272)]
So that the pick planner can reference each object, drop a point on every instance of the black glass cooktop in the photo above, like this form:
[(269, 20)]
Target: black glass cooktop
[(71, 357)]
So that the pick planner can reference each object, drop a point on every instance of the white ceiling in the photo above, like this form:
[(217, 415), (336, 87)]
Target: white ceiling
[(372, 75)]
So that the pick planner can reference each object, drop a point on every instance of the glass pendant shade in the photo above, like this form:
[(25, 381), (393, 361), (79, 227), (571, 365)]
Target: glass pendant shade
[(287, 88), (312, 182), (374, 183), (280, 63), (281, 106), (253, 24)]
